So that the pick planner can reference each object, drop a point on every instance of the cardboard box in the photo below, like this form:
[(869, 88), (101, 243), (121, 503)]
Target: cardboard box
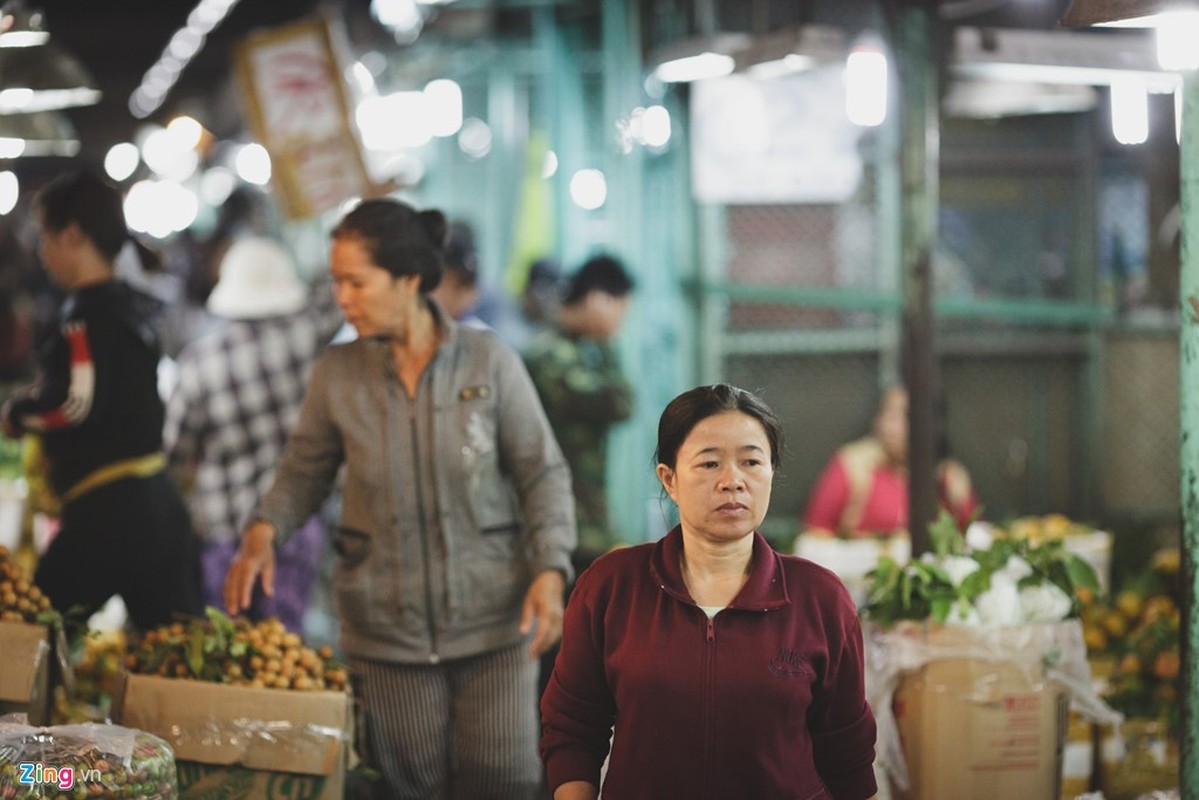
[(26, 684), (279, 743), (981, 728), (205, 781)]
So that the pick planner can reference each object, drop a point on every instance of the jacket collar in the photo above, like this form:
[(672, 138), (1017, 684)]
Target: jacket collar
[(443, 323), (765, 590), (447, 326), (137, 311)]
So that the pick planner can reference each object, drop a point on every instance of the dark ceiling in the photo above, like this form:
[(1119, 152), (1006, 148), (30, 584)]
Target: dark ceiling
[(118, 41)]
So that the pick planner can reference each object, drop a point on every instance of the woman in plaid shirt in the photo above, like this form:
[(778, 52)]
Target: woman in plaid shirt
[(237, 396)]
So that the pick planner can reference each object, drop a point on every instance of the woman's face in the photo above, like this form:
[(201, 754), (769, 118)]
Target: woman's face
[(722, 477), (891, 425), (373, 301), (55, 250), (605, 313)]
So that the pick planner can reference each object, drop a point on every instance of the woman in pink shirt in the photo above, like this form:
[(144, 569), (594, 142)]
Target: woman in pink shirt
[(863, 490)]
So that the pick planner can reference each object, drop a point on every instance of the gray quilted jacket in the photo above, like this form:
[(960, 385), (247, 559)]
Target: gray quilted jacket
[(452, 500)]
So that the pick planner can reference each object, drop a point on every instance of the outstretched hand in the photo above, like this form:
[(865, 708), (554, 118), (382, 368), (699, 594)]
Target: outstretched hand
[(543, 608), (255, 557)]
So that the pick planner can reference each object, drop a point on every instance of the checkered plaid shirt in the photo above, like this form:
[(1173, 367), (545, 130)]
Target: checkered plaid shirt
[(238, 394)]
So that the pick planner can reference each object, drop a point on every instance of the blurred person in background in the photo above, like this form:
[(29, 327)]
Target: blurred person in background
[(542, 296), (863, 490), (459, 291), (198, 256), (96, 409), (536, 308), (17, 308), (585, 393), (457, 521), (237, 395), (707, 663)]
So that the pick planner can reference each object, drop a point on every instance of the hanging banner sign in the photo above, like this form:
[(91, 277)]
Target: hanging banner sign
[(299, 109)]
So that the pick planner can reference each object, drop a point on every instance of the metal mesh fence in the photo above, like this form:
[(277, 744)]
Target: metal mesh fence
[(1057, 401)]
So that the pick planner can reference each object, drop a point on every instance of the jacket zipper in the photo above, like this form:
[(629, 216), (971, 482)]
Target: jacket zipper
[(434, 658), (425, 544), (709, 701)]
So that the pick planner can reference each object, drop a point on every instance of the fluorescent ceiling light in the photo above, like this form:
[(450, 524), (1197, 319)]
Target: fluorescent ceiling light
[(699, 58), (695, 68), (866, 87), (10, 191), (1178, 40), (1120, 13), (43, 78), (182, 47), (787, 65), (791, 50), (1130, 111), (1059, 57), (21, 27), (45, 133), (1178, 115), (993, 99)]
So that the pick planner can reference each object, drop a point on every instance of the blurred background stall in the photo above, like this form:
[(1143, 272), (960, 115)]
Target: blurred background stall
[(744, 158)]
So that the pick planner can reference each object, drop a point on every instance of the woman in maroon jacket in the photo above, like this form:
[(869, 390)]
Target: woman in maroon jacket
[(716, 667)]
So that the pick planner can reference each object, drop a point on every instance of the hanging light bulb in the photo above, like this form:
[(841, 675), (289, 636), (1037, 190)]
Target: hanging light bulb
[(1130, 111), (43, 133), (1177, 34), (43, 78), (866, 85), (21, 27)]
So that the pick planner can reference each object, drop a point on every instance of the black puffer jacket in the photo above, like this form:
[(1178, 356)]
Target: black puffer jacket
[(97, 400)]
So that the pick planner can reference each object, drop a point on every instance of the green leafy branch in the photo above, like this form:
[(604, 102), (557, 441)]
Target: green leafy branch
[(922, 590)]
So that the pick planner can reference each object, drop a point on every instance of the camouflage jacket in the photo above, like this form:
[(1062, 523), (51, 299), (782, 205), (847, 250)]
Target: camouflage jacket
[(584, 393)]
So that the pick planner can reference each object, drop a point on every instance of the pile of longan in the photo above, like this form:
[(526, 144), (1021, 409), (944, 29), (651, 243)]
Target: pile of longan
[(239, 652), (20, 600)]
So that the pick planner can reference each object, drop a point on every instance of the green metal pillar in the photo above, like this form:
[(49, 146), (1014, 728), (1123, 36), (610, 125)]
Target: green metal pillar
[(888, 211), (919, 162), (630, 478), (564, 113), (1189, 407)]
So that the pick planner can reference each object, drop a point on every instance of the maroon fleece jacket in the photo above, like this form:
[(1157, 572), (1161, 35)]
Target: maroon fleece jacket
[(766, 700)]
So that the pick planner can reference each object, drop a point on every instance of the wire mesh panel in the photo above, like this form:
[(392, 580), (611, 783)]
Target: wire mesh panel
[(1015, 419), (1052, 402), (823, 401), (775, 248), (1140, 443)]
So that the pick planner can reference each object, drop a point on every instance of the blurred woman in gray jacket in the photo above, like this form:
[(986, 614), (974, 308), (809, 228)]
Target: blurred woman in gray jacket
[(457, 519)]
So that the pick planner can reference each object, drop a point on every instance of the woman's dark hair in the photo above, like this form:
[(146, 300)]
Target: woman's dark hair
[(692, 407), (96, 206), (399, 238)]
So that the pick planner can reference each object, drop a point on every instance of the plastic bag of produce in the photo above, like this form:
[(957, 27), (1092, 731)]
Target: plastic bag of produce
[(88, 760)]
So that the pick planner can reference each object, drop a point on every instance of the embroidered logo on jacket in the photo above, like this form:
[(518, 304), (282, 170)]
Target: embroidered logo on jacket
[(788, 662)]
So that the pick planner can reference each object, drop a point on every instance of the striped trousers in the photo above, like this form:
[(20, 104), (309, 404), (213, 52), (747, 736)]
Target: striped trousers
[(465, 729)]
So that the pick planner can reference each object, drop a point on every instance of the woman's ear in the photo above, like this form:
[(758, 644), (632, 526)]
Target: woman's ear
[(72, 235), (666, 476)]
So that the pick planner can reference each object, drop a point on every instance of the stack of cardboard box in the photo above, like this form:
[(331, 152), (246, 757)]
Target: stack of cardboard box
[(266, 743), (27, 670)]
